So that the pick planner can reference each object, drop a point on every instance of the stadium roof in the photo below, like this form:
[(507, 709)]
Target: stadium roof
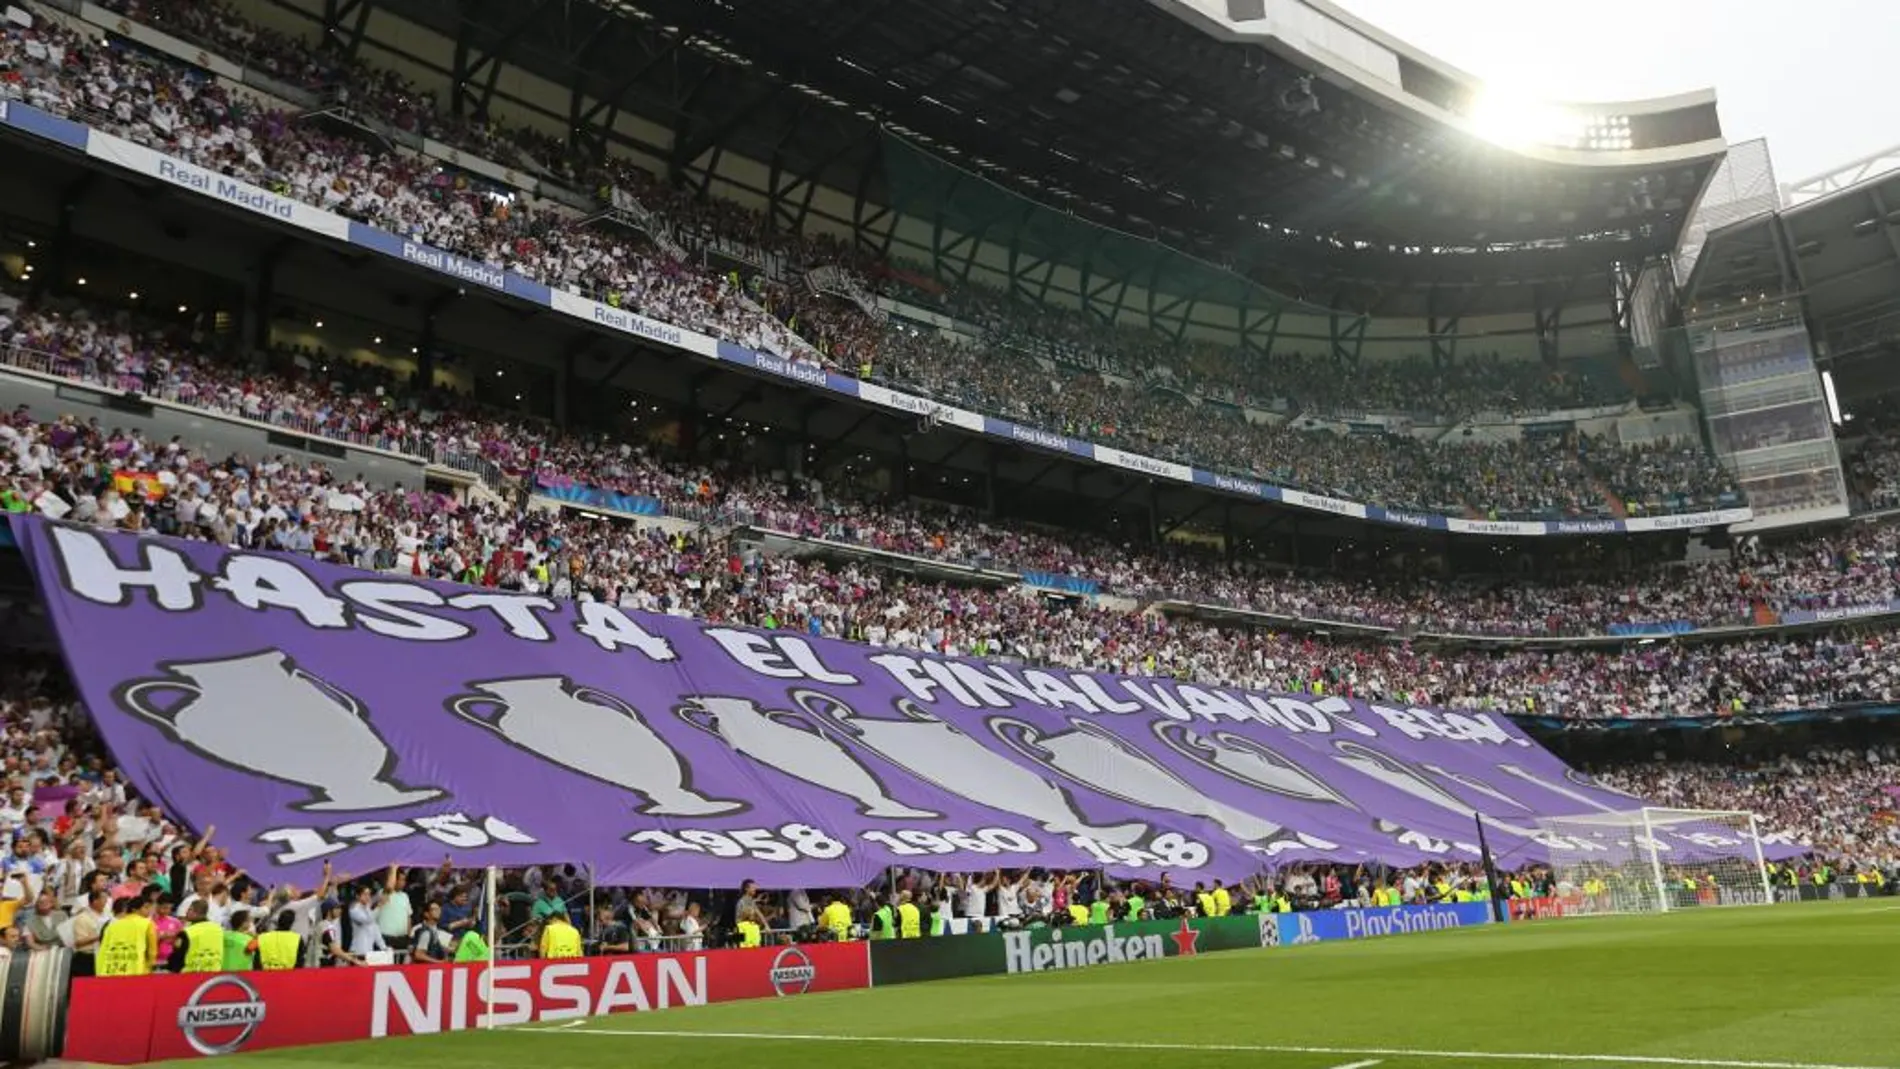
[(1839, 252), (1307, 150)]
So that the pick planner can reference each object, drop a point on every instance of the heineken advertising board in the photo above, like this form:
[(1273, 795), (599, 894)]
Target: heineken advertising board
[(904, 961)]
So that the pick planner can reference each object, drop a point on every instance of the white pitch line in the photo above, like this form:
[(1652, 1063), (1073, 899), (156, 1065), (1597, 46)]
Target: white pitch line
[(1224, 1048), (1367, 1064)]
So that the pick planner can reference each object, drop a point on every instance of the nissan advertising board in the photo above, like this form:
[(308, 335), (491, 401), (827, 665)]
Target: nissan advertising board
[(124, 1021)]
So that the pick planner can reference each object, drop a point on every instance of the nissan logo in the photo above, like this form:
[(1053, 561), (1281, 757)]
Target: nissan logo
[(221, 1015), (792, 972)]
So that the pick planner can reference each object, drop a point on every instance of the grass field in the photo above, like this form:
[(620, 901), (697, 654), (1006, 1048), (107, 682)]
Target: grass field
[(1792, 987)]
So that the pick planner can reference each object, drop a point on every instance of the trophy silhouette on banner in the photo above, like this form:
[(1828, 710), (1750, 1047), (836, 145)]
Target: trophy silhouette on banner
[(1102, 761), (1254, 763), (260, 713), (1402, 775), (782, 740), (936, 752), (593, 733)]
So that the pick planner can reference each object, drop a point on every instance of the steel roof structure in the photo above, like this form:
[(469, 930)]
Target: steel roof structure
[(1303, 150), (1838, 252)]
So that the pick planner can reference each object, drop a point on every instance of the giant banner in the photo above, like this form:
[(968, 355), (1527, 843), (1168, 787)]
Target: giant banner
[(318, 713)]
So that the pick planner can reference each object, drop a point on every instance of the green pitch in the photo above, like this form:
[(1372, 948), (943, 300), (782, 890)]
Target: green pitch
[(1790, 987)]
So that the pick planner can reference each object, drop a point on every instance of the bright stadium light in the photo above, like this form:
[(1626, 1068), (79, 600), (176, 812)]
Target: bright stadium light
[(1518, 120)]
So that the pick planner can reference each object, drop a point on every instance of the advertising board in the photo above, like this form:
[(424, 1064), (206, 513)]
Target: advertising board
[(128, 1020)]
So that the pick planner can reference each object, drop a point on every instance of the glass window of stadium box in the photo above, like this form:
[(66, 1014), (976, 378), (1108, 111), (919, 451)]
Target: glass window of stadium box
[(1765, 408)]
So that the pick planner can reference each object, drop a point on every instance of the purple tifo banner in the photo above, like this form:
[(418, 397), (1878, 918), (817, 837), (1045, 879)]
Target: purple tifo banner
[(317, 713)]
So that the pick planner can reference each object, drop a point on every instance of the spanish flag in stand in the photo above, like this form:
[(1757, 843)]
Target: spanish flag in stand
[(143, 483)]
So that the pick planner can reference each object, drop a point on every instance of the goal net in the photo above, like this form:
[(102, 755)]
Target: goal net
[(1656, 860)]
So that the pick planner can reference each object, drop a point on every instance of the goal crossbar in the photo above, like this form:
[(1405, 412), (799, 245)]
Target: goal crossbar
[(1620, 819)]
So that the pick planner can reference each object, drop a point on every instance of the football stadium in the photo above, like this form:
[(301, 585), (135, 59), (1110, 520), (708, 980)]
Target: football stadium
[(1380, 570)]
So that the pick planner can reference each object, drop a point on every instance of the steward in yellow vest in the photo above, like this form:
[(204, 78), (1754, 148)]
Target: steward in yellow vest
[(129, 946), (280, 949), (910, 921), (559, 937), (204, 940), (836, 919), (751, 931)]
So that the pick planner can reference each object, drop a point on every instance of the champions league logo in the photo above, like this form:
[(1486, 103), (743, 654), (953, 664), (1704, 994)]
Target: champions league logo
[(1297, 931), (221, 1015)]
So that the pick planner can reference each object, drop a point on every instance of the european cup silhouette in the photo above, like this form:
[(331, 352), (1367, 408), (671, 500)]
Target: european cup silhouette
[(782, 740), (261, 713), (1104, 762), (936, 752), (593, 733), (1254, 763)]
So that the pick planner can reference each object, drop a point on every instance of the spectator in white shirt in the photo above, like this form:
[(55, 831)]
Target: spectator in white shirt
[(692, 931), (798, 913), (13, 809), (392, 916), (1009, 909)]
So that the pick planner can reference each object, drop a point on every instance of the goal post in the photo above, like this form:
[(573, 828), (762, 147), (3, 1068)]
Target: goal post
[(1653, 860)]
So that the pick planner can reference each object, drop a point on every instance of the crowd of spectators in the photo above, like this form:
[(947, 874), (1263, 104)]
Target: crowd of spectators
[(1057, 370), (312, 392), (83, 472), (1845, 803), (1874, 472), (84, 848)]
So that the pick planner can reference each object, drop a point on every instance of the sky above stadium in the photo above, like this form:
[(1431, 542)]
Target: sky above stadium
[(1813, 78)]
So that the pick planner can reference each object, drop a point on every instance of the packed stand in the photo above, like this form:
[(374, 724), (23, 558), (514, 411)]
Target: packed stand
[(410, 525), (1874, 472), (1845, 803), (182, 113), (309, 391), (1445, 390), (86, 473), (85, 850)]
